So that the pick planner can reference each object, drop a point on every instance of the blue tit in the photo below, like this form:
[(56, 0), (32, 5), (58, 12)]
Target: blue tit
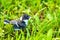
[(22, 22)]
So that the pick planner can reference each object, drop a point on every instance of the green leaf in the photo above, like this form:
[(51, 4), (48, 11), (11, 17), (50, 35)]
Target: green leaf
[(49, 34)]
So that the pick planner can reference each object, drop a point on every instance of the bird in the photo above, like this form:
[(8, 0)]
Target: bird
[(21, 23)]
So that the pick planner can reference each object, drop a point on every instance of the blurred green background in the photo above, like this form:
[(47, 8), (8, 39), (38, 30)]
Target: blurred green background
[(43, 25)]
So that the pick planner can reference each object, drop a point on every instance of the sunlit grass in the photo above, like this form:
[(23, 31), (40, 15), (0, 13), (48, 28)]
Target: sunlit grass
[(43, 25)]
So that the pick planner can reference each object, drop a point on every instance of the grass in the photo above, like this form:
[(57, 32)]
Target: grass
[(43, 25)]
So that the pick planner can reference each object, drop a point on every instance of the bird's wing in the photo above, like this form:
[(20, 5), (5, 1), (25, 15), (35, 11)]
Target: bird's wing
[(14, 22), (22, 24)]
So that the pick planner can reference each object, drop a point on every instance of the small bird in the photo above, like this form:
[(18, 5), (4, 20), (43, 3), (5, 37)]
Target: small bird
[(22, 22)]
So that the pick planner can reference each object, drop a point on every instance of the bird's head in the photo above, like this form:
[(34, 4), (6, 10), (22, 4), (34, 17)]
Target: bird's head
[(25, 17)]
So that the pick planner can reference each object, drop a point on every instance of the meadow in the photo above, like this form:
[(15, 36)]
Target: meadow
[(43, 25)]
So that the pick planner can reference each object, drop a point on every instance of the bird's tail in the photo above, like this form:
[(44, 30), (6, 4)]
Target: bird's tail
[(6, 21)]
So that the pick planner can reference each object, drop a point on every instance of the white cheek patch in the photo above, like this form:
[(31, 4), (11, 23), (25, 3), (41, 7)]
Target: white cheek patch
[(26, 21)]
